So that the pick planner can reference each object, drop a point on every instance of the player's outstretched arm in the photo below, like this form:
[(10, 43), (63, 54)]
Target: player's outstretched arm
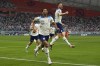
[(61, 14)]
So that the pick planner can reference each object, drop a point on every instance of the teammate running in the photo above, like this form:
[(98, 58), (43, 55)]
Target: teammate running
[(45, 21), (33, 36)]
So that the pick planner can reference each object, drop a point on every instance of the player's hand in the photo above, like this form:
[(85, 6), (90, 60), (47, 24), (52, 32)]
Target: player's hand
[(34, 31), (66, 12), (57, 29)]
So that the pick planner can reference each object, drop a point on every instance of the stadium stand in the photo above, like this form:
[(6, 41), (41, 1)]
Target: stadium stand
[(6, 4), (27, 10)]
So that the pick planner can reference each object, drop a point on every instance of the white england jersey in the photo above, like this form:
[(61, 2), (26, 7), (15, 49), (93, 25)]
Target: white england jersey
[(58, 18), (52, 30), (37, 27), (45, 24)]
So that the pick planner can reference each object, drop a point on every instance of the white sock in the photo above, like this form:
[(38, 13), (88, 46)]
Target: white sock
[(27, 46), (65, 39), (49, 60), (53, 40), (37, 47), (47, 53), (46, 50)]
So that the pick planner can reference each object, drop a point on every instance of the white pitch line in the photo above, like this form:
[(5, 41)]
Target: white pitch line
[(3, 47), (12, 47), (46, 62)]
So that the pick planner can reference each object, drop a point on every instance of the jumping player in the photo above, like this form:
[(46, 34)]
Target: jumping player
[(58, 20)]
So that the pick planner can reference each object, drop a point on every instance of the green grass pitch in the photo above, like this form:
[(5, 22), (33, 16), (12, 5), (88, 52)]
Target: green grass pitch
[(86, 52)]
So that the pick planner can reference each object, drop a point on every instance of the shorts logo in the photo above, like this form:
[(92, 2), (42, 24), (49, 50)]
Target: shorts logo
[(43, 38)]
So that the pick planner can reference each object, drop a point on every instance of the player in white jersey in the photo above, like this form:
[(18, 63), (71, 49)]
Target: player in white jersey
[(58, 19), (33, 36), (52, 32), (45, 22)]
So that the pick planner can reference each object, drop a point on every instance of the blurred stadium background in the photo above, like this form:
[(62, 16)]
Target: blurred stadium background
[(83, 18)]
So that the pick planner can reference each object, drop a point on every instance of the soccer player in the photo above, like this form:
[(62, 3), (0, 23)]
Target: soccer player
[(58, 20), (45, 21), (33, 35), (52, 32)]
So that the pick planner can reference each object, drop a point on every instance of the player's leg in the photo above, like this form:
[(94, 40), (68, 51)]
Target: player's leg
[(39, 46), (65, 39), (54, 39), (52, 36), (38, 42), (46, 45), (46, 38), (29, 44), (67, 35), (46, 50), (56, 36)]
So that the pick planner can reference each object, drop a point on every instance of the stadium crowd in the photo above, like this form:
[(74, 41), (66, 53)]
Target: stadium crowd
[(87, 24), (21, 22), (6, 4)]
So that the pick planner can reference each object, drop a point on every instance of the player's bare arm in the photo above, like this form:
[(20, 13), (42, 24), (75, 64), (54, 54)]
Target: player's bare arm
[(61, 14), (33, 27), (53, 23)]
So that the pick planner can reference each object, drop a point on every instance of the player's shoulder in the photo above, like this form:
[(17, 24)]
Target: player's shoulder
[(36, 18), (50, 17), (58, 9), (36, 24)]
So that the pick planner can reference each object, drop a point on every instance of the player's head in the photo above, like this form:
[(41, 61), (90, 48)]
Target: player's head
[(45, 12), (60, 5)]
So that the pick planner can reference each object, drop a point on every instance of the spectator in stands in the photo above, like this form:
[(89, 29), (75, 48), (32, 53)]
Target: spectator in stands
[(21, 22), (6, 4)]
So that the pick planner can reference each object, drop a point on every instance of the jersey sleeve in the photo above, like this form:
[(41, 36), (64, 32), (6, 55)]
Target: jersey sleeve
[(58, 11), (37, 18)]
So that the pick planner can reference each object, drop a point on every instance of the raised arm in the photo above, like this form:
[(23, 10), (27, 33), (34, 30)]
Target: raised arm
[(61, 14)]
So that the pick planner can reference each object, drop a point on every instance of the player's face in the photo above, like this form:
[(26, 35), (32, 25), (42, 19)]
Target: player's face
[(45, 11), (60, 6)]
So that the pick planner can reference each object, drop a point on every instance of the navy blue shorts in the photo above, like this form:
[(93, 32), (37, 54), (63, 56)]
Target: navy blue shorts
[(32, 38), (61, 29), (43, 38), (51, 35)]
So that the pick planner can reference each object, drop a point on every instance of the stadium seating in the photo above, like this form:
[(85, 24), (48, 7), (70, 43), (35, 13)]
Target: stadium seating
[(27, 9)]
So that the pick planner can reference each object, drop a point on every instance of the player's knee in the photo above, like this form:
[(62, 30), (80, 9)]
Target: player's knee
[(64, 38), (63, 34)]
